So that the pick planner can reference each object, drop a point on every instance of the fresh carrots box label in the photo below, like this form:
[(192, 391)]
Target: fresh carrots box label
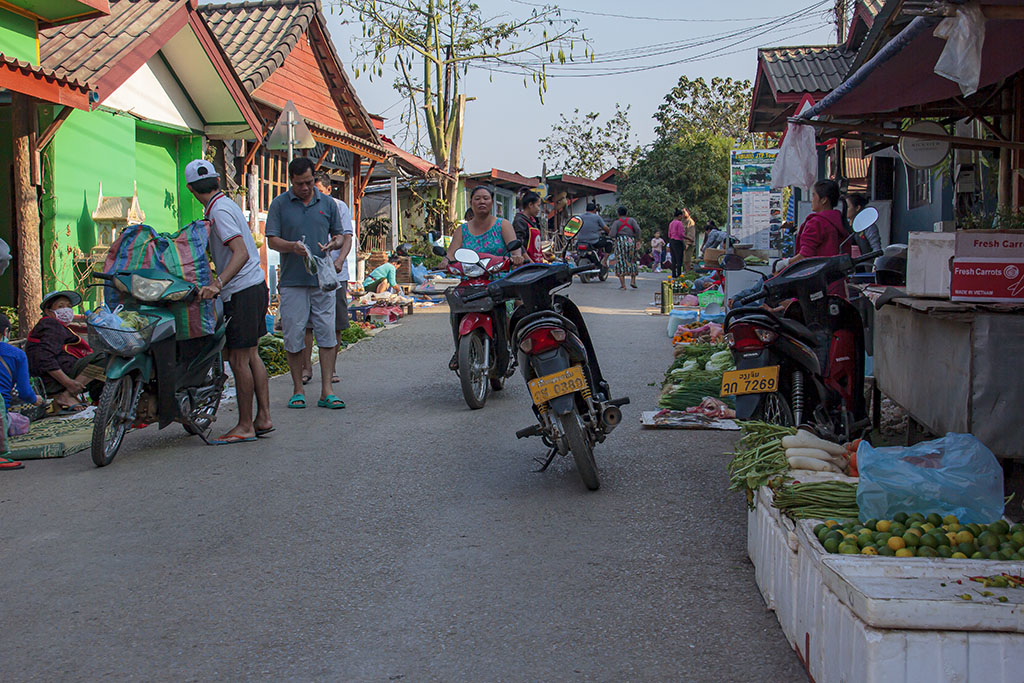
[(992, 280)]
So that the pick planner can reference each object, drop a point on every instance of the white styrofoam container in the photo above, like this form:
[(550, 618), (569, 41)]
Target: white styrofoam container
[(928, 257), (799, 581), (907, 592)]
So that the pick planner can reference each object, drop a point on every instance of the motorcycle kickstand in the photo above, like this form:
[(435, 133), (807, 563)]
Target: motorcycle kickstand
[(545, 462)]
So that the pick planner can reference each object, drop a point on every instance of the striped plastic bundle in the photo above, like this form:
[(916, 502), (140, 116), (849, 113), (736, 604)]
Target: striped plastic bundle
[(182, 254)]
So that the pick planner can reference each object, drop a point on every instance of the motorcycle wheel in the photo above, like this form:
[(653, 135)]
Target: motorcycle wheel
[(110, 423), (473, 370), (497, 383), (584, 278), (604, 274), (774, 409), (582, 453)]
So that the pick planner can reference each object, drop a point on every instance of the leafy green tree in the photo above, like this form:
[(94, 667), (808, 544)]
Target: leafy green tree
[(432, 44), (721, 108), (690, 170), (581, 146)]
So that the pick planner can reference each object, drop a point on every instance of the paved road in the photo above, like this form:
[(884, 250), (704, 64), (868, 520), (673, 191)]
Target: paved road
[(404, 538)]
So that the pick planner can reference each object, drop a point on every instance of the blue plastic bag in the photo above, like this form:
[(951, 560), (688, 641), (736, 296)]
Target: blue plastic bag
[(954, 475)]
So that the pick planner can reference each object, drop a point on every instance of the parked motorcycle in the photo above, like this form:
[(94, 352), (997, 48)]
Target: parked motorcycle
[(483, 354), (805, 365), (571, 399), (151, 375)]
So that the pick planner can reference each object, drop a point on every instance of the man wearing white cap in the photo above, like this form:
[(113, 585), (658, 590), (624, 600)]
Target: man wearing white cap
[(241, 283)]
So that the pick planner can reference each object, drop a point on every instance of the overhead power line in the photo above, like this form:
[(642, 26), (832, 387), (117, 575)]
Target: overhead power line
[(641, 18)]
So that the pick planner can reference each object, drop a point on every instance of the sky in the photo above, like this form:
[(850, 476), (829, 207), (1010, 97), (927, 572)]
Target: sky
[(505, 122)]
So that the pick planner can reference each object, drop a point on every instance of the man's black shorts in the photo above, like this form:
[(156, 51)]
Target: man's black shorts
[(247, 311)]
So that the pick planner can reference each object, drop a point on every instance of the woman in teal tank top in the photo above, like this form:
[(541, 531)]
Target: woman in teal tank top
[(484, 233)]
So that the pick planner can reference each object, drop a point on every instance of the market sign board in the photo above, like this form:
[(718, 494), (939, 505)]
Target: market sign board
[(755, 212), (924, 153), (988, 266)]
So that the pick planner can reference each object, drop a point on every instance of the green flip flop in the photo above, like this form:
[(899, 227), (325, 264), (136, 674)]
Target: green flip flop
[(297, 401), (332, 402)]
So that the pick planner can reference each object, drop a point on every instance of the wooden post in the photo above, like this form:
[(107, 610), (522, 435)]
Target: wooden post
[(26, 208), (357, 195), (394, 211), (1005, 189)]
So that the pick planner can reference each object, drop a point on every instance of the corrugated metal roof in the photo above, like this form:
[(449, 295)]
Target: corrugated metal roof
[(812, 69), (88, 50), (259, 36)]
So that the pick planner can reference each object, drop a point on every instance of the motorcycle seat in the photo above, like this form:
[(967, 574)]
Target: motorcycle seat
[(796, 329)]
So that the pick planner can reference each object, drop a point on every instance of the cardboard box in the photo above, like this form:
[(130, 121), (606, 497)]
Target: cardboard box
[(928, 263), (988, 266), (990, 244)]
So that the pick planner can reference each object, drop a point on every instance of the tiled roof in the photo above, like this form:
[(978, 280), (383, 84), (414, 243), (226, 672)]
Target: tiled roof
[(806, 69), (258, 35), (873, 6), (89, 50), (50, 75)]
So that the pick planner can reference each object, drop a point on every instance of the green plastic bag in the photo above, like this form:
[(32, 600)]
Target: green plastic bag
[(712, 296)]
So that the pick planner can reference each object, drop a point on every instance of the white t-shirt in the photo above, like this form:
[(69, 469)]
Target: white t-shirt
[(346, 229), (229, 223)]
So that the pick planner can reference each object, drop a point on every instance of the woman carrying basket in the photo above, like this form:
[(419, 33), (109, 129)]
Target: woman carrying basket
[(626, 233)]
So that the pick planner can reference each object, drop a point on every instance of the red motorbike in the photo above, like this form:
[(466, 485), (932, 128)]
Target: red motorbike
[(483, 357)]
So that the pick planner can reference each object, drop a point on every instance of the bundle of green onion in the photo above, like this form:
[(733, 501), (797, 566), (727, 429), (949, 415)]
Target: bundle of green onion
[(818, 500)]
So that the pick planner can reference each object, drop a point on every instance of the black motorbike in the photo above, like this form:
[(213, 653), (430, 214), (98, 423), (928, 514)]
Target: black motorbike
[(803, 365), (593, 255), (571, 399)]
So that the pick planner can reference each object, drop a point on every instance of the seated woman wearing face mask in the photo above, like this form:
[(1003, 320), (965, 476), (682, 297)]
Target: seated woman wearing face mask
[(64, 361)]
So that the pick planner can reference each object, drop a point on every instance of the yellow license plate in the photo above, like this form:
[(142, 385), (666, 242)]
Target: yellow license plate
[(750, 381), (543, 389)]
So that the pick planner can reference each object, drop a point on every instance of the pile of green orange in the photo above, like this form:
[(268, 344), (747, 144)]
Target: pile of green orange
[(918, 535)]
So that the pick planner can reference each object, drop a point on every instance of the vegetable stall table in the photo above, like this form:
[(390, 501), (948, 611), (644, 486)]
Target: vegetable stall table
[(954, 367)]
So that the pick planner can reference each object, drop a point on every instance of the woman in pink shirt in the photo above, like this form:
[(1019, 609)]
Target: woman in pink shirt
[(823, 232), (679, 238)]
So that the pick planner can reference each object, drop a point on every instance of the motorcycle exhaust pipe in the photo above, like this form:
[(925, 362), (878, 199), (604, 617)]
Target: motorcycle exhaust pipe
[(611, 417)]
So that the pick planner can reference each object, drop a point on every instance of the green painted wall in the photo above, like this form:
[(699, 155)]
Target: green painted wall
[(18, 37), (117, 150), (6, 204)]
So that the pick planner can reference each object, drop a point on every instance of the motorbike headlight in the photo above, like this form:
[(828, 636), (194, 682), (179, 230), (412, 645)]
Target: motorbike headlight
[(146, 289), (472, 271)]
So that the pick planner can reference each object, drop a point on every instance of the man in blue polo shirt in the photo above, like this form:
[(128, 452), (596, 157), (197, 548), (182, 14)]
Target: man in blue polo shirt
[(304, 215)]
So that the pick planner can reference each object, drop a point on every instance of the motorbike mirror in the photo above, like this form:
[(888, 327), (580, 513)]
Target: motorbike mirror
[(467, 256), (865, 219), (439, 250), (732, 262), (513, 245)]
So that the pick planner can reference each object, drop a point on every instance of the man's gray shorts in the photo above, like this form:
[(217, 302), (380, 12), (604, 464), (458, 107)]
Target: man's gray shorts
[(300, 305)]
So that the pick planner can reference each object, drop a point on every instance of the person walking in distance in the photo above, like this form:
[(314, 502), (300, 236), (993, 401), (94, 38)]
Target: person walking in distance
[(689, 240), (657, 248), (627, 234), (340, 259), (299, 219), (241, 284), (677, 242)]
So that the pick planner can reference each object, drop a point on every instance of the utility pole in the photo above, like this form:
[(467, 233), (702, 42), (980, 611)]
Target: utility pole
[(841, 23), (26, 207)]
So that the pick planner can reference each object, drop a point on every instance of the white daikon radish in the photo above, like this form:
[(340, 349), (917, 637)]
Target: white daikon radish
[(800, 463), (804, 439), (809, 453)]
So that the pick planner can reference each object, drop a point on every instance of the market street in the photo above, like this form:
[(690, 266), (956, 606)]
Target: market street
[(405, 537)]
